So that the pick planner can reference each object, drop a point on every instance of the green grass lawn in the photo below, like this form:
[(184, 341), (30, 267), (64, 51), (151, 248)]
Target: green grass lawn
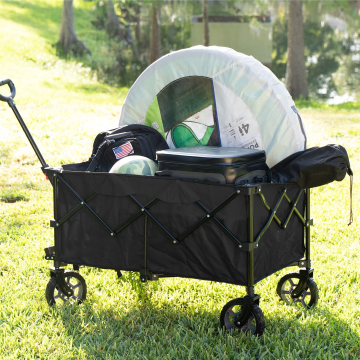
[(65, 107)]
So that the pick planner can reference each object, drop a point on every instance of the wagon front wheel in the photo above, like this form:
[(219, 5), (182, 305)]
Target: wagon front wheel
[(74, 280), (231, 312), (288, 283)]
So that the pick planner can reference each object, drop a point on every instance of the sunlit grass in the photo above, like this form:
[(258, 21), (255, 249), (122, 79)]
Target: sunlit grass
[(65, 107)]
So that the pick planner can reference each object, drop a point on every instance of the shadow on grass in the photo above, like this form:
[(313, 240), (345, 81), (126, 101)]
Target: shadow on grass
[(167, 329)]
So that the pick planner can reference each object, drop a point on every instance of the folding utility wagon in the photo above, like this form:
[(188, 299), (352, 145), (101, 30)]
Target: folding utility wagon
[(165, 227)]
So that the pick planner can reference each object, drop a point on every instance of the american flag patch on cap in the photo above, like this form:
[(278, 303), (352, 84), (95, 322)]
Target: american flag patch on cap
[(123, 150)]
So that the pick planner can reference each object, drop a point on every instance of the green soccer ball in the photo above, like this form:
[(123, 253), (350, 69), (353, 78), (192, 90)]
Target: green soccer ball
[(135, 165)]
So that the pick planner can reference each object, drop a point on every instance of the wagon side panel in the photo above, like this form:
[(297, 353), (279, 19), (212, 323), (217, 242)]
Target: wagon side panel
[(278, 247), (83, 240), (206, 253)]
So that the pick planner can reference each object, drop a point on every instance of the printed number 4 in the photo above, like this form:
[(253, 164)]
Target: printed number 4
[(244, 127)]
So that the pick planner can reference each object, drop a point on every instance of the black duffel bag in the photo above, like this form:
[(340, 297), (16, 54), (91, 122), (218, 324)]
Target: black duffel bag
[(315, 167), (113, 145)]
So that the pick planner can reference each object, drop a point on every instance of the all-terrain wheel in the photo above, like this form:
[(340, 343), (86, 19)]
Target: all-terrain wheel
[(74, 280), (231, 312), (288, 283)]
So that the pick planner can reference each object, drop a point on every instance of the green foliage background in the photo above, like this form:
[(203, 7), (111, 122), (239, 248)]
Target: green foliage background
[(324, 51)]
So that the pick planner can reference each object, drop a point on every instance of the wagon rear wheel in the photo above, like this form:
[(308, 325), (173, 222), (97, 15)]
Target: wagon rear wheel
[(75, 281), (229, 318), (288, 283)]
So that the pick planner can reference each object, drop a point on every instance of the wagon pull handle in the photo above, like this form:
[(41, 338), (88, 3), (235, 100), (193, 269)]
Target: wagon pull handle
[(10, 101), (12, 90)]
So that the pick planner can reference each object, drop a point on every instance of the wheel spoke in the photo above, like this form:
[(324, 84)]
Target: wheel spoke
[(307, 293), (60, 295), (249, 324), (76, 285), (286, 292), (230, 326), (231, 312)]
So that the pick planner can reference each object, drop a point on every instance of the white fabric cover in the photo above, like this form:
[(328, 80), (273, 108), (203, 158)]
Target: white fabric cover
[(246, 93)]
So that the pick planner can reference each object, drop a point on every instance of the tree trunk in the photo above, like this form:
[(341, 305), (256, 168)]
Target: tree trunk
[(113, 24), (155, 34), (137, 28), (172, 26), (68, 38), (296, 80), (133, 44), (206, 23)]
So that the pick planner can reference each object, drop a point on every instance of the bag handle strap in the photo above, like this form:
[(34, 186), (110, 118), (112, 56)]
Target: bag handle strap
[(95, 160), (351, 191)]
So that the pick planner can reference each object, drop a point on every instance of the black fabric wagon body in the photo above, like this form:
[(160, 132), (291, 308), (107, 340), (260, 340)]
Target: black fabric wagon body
[(206, 253)]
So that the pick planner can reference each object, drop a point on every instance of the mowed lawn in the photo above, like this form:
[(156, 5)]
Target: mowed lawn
[(65, 107)]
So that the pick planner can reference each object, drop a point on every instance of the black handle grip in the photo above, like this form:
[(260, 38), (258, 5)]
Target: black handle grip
[(12, 90)]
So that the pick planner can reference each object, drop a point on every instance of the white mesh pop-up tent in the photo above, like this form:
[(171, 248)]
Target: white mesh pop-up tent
[(216, 96)]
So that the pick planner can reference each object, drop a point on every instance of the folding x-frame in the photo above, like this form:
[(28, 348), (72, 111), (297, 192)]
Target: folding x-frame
[(209, 215)]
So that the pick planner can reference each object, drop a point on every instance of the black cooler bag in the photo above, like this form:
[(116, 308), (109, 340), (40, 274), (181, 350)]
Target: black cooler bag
[(220, 165)]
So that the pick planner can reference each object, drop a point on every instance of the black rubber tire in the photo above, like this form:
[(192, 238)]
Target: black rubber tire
[(311, 291), (255, 325), (52, 287)]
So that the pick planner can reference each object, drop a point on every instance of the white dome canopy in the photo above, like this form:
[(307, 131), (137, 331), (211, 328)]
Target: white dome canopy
[(252, 106)]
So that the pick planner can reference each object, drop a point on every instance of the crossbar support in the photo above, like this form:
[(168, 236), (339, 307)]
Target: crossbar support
[(209, 215), (271, 216), (222, 227), (87, 207), (155, 221), (75, 210)]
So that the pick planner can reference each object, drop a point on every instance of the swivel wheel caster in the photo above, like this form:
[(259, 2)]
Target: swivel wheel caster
[(231, 314), (308, 298), (75, 281)]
